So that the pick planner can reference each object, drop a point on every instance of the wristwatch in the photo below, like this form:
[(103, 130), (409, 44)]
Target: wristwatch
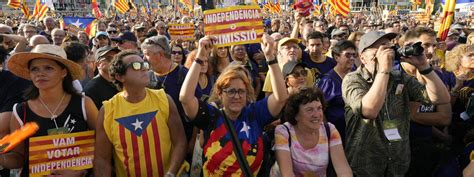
[(426, 71), (274, 61), (199, 61)]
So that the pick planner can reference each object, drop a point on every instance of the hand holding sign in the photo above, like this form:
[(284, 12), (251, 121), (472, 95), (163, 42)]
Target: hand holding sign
[(205, 46), (268, 45)]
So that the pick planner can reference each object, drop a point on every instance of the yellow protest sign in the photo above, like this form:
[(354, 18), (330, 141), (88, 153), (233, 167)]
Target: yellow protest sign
[(181, 31), (73, 151), (234, 25)]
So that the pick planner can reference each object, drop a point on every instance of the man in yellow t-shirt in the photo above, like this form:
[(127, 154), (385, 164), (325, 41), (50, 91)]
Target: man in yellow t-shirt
[(288, 50), (135, 126)]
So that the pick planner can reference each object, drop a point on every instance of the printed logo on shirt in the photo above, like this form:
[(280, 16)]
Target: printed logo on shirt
[(137, 123)]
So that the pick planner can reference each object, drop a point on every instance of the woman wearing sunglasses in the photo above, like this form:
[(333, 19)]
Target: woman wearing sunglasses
[(52, 102), (295, 76), (240, 114), (344, 53)]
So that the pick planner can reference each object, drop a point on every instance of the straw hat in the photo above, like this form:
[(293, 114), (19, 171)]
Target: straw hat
[(18, 63)]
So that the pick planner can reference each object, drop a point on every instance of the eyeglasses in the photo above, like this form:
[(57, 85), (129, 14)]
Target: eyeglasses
[(112, 32), (139, 65), (176, 52), (233, 92), (301, 73), (140, 30), (350, 55), (149, 41), (290, 47)]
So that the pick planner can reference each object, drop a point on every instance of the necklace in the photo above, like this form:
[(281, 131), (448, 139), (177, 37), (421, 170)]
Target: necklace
[(53, 115)]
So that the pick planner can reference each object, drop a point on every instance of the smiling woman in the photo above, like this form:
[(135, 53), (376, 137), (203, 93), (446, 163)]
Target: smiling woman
[(52, 102)]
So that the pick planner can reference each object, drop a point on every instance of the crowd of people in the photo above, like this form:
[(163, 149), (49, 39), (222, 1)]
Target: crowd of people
[(318, 96)]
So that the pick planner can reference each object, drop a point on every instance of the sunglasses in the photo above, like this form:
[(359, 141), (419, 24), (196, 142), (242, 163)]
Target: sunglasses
[(139, 65), (140, 30), (102, 37), (112, 32), (301, 73), (176, 52), (350, 55)]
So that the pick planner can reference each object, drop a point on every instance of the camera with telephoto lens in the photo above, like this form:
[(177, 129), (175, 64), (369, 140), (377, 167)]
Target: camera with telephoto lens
[(407, 51)]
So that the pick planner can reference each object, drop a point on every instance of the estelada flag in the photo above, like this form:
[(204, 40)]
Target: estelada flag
[(40, 10), (447, 20), (83, 23)]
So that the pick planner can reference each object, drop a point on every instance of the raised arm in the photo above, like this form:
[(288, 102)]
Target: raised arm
[(186, 94), (296, 27), (277, 100), (103, 149), (178, 138)]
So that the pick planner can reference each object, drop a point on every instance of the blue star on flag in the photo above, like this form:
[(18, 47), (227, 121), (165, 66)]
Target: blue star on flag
[(137, 123)]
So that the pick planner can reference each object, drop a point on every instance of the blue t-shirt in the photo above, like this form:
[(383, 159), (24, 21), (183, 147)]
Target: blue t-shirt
[(331, 86), (321, 68), (217, 139)]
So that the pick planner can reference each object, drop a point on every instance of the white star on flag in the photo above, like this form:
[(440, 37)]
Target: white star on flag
[(77, 23), (245, 129), (137, 124)]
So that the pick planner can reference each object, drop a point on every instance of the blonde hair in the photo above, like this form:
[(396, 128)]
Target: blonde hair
[(223, 81), (453, 58), (469, 37)]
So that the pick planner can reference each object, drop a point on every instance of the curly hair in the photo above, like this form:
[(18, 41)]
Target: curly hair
[(118, 68), (453, 58), (304, 96)]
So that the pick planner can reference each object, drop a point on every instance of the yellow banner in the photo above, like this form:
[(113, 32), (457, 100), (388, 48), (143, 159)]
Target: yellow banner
[(73, 151), (181, 31), (234, 25)]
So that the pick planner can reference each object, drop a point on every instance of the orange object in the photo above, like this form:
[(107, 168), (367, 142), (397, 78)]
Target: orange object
[(10, 141)]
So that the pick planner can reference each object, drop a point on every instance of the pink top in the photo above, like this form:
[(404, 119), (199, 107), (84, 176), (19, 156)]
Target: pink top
[(307, 162)]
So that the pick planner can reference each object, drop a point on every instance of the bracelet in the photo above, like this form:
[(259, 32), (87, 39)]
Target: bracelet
[(199, 61), (274, 61), (426, 71), (384, 72), (170, 174)]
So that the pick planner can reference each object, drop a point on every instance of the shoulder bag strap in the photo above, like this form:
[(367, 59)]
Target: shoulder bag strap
[(289, 135), (328, 134), (237, 148)]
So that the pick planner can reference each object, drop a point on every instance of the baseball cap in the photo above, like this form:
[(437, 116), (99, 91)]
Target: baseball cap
[(370, 38), (138, 26), (104, 50), (101, 33), (287, 39), (159, 40), (289, 66), (129, 36), (337, 32), (453, 32)]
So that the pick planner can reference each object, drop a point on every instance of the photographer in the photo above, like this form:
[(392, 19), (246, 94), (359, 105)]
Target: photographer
[(424, 155), (377, 101)]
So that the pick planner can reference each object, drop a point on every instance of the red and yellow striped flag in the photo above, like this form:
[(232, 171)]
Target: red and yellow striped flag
[(340, 7), (121, 6), (447, 20), (14, 4), (25, 9), (95, 9), (40, 10)]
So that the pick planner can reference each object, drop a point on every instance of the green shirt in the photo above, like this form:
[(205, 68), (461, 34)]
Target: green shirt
[(368, 150)]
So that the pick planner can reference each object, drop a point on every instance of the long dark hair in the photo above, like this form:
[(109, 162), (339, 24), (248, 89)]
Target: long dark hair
[(32, 92)]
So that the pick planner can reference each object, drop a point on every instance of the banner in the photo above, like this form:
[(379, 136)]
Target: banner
[(63, 151), (181, 31), (234, 25)]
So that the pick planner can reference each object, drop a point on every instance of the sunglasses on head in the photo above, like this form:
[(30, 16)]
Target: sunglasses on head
[(149, 41), (139, 65)]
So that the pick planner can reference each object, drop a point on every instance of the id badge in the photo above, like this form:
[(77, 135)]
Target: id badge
[(391, 131), (57, 131), (399, 89)]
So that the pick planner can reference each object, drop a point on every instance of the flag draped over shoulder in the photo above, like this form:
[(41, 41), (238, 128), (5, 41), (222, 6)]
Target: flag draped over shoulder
[(340, 7), (14, 4), (95, 9), (83, 23), (40, 10), (25, 9), (447, 20), (121, 6)]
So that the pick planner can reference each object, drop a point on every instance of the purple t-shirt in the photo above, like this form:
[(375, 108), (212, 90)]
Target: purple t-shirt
[(331, 86)]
